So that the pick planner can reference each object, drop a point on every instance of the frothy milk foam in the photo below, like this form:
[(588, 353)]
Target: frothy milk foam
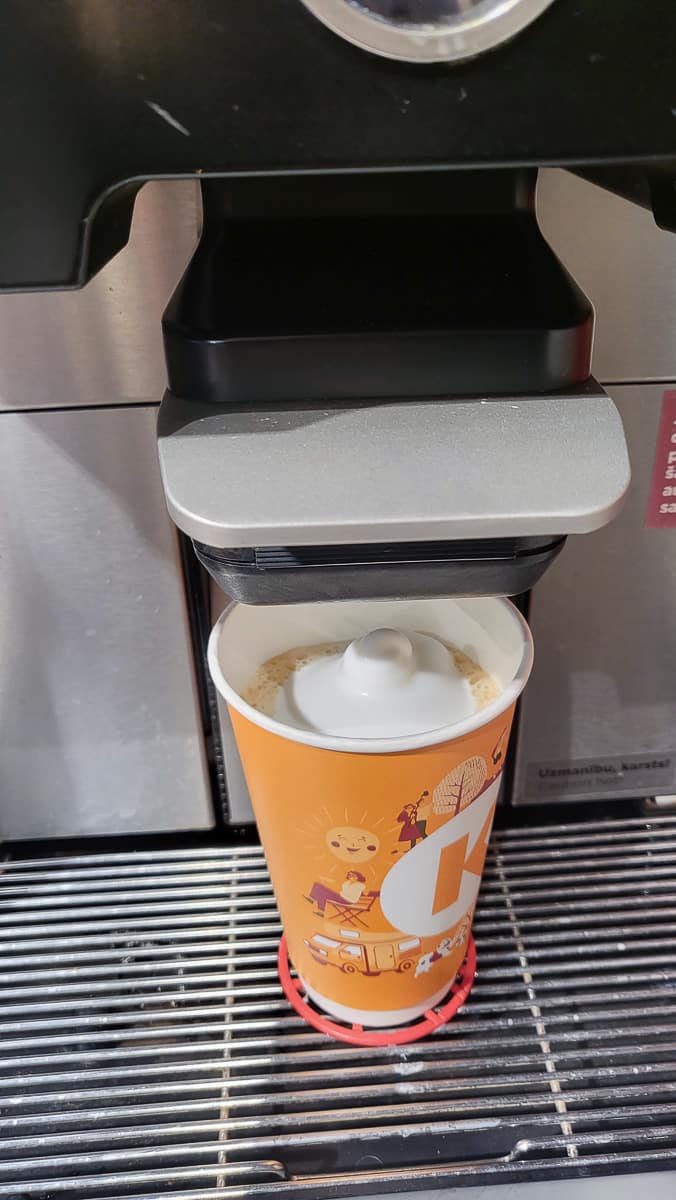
[(385, 684)]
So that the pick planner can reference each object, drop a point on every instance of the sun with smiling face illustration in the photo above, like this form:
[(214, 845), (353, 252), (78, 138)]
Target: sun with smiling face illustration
[(349, 836), (352, 844)]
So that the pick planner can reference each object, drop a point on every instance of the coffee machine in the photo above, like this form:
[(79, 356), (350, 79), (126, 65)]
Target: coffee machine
[(381, 381)]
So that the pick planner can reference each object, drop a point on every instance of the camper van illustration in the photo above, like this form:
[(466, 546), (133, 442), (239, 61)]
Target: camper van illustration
[(352, 951)]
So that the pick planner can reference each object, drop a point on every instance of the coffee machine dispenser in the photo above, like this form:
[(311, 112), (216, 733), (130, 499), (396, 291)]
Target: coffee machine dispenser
[(380, 386)]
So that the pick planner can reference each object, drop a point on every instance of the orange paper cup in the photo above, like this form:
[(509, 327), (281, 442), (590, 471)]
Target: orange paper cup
[(375, 845)]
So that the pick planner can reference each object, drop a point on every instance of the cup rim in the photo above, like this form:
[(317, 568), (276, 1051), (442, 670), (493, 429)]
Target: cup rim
[(393, 745)]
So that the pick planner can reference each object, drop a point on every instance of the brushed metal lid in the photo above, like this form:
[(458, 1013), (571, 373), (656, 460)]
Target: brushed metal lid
[(412, 470)]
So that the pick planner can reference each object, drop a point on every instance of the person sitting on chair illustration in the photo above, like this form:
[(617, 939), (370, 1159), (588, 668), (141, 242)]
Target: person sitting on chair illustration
[(351, 893)]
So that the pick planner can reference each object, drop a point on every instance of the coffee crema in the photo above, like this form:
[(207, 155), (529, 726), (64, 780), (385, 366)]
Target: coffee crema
[(264, 688), (272, 676)]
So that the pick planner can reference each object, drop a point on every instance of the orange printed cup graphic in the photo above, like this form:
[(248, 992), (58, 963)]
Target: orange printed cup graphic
[(375, 846)]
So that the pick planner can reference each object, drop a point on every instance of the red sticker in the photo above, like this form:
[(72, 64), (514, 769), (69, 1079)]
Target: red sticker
[(662, 503)]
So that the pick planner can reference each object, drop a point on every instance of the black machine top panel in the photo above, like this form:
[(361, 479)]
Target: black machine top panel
[(100, 93)]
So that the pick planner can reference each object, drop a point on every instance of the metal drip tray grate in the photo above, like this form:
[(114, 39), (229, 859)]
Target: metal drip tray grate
[(146, 1048)]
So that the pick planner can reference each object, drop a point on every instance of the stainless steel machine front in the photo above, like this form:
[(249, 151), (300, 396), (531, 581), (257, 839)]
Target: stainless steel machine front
[(599, 716), (101, 726)]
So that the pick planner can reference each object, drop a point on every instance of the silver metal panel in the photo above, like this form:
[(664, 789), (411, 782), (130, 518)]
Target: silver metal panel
[(400, 471), (602, 695), (146, 1046), (99, 726), (627, 267), (102, 345)]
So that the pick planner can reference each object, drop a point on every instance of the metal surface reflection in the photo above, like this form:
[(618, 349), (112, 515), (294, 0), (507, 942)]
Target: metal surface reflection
[(427, 30)]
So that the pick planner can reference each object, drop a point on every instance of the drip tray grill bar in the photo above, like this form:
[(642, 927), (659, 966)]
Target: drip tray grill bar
[(146, 1048)]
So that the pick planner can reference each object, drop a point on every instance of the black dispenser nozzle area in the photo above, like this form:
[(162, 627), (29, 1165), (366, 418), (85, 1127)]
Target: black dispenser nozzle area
[(380, 386), (372, 287)]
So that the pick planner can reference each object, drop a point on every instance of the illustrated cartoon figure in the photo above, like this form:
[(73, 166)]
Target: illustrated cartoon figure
[(413, 819), (423, 811), (446, 946), (351, 892), (409, 828), (351, 844), (498, 749)]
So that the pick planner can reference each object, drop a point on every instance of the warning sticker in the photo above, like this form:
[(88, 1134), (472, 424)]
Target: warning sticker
[(662, 503)]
